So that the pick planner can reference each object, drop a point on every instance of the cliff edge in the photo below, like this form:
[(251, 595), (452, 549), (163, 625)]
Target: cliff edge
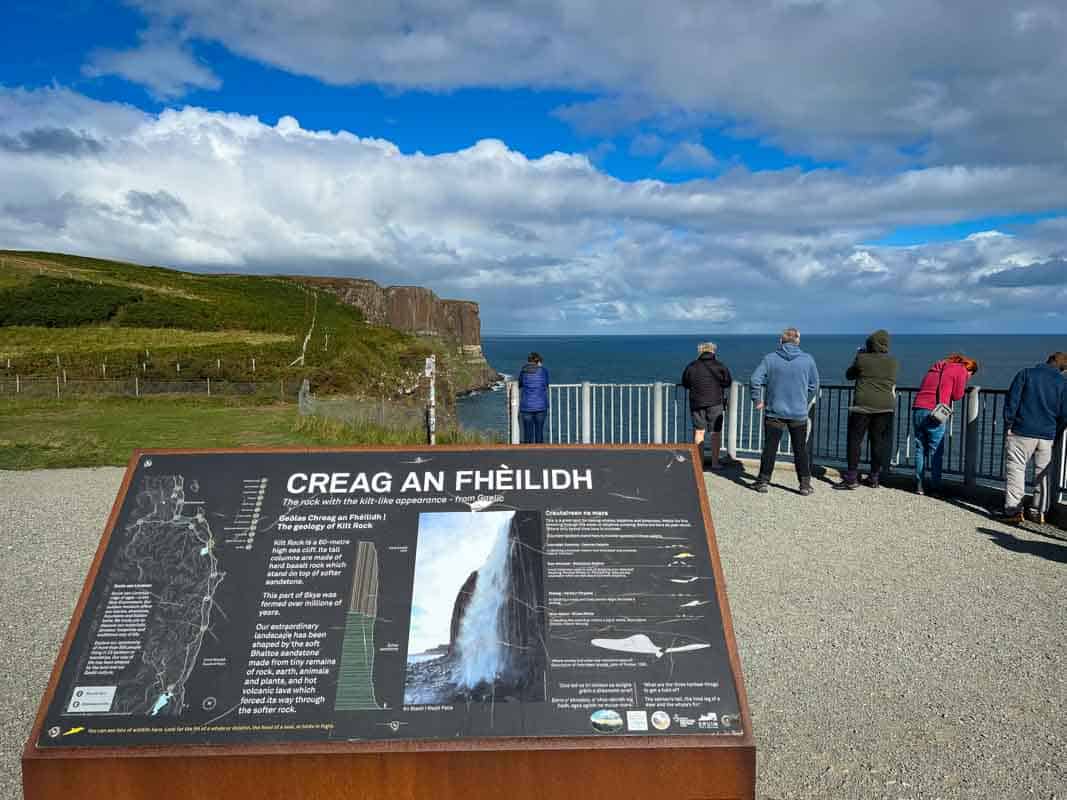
[(419, 311)]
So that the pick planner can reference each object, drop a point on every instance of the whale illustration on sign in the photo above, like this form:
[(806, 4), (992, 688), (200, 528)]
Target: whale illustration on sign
[(639, 643)]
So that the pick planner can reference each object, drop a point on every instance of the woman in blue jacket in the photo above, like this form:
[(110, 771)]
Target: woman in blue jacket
[(533, 399)]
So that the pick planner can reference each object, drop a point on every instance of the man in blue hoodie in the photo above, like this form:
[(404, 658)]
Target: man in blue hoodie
[(784, 386), (1035, 412)]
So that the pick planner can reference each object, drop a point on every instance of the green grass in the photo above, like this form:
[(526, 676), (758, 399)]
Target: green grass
[(85, 433), (107, 306), (85, 319), (16, 341)]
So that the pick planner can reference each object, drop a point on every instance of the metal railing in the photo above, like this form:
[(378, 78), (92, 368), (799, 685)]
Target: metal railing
[(595, 413)]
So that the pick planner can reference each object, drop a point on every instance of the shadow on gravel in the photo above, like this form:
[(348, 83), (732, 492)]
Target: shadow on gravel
[(1053, 552), (737, 472)]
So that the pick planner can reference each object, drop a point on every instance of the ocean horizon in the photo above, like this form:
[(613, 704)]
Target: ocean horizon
[(628, 358)]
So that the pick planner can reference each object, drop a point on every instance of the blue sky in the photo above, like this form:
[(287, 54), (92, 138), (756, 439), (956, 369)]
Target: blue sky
[(598, 168)]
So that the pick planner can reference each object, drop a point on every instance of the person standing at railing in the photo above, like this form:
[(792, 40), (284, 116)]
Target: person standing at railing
[(872, 411), (533, 399), (784, 386), (1035, 412), (707, 380), (944, 383)]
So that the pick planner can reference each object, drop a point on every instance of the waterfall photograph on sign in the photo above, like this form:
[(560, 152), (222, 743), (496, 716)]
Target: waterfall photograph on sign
[(477, 611)]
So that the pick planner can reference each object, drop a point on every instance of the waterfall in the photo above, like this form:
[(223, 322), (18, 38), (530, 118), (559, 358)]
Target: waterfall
[(482, 646)]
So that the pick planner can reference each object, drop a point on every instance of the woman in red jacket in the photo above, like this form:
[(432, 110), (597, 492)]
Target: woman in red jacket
[(945, 382)]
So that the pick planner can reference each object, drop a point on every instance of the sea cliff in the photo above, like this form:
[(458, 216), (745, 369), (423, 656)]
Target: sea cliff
[(419, 311)]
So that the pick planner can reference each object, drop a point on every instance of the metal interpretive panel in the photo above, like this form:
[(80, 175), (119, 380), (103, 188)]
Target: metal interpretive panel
[(338, 596)]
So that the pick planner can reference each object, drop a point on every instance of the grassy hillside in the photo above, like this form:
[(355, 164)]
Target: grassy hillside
[(103, 432), (91, 317)]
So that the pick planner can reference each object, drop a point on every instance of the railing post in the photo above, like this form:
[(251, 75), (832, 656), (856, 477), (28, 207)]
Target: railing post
[(731, 431), (657, 412), (512, 393), (587, 412), (971, 405)]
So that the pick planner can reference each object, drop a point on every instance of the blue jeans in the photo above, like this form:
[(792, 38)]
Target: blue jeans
[(533, 426), (929, 445)]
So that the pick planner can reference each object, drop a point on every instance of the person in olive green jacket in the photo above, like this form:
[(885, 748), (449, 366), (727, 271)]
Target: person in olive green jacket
[(872, 410)]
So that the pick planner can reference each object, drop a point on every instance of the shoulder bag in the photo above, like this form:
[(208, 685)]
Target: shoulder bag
[(942, 412)]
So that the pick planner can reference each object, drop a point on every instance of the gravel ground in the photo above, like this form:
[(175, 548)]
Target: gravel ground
[(893, 646)]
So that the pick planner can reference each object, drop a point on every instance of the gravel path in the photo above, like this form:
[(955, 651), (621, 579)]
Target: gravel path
[(893, 646)]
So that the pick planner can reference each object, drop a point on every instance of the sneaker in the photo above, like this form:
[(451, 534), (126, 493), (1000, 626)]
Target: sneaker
[(872, 481), (807, 489), (919, 490), (762, 487), (846, 485)]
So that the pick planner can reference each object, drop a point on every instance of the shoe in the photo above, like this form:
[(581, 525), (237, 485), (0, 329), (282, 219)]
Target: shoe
[(762, 487), (807, 490), (1035, 516), (919, 488), (1009, 517), (845, 485), (871, 481)]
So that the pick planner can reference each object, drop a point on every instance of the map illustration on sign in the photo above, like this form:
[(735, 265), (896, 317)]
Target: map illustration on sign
[(159, 606), (358, 595)]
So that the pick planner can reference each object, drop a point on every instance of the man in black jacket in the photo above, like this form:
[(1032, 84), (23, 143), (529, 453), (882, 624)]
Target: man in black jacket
[(707, 380)]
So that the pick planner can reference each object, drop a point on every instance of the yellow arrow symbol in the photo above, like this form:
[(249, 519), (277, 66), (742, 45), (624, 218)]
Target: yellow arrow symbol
[(73, 730)]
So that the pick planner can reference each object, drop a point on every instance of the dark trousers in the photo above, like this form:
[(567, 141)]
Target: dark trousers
[(533, 426), (879, 430), (773, 428)]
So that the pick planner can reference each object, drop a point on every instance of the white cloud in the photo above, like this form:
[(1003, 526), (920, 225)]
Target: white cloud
[(981, 80), (551, 238), (166, 67), (687, 156)]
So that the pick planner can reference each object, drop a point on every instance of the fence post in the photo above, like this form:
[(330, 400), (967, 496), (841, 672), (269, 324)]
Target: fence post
[(587, 412), (657, 412), (57, 387), (18, 384), (731, 432), (512, 394), (431, 409), (209, 387), (136, 386), (971, 405)]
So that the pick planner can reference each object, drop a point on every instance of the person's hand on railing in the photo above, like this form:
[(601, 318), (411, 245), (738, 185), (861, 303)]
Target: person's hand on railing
[(759, 405)]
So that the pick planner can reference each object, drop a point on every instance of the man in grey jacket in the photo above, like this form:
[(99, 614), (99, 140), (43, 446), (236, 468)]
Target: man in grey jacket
[(784, 386)]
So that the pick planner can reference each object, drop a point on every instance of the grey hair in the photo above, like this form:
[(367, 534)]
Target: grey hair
[(707, 347), (791, 336)]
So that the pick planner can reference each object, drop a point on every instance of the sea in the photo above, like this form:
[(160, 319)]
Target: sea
[(645, 359)]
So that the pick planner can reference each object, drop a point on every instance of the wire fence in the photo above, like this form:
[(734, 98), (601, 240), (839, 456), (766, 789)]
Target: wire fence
[(56, 387)]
